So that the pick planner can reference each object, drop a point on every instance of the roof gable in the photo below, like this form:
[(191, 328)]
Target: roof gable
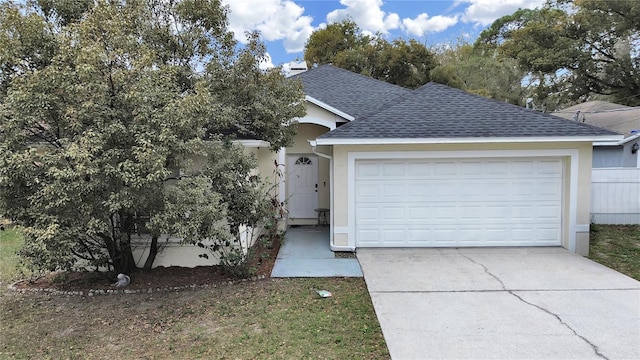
[(439, 111), (354, 94)]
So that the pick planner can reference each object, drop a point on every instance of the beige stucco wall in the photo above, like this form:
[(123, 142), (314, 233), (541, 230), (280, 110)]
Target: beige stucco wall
[(266, 168), (176, 253), (340, 175)]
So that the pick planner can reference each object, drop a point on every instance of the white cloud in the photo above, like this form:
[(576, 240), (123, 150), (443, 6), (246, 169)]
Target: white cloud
[(275, 19), (423, 24), (266, 63), (484, 12), (367, 14)]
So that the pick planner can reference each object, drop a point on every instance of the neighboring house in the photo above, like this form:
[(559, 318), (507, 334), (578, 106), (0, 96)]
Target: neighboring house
[(618, 118), (436, 167), (615, 188)]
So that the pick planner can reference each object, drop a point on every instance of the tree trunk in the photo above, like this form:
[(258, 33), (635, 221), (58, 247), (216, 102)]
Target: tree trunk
[(153, 251), (127, 261)]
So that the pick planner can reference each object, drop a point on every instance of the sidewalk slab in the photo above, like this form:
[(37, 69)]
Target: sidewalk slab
[(306, 253)]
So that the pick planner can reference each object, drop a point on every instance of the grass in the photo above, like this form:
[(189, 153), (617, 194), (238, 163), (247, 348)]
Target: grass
[(278, 319), (10, 242), (618, 247), (271, 319)]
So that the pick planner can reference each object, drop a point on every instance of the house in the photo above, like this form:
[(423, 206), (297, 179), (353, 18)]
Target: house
[(436, 167), (431, 167), (618, 118)]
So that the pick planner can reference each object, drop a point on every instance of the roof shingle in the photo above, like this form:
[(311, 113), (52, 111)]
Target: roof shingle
[(439, 111), (354, 94), (619, 118)]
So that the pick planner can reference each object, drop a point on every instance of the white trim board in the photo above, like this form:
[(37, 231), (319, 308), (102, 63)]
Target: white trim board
[(328, 108), (282, 183), (465, 140), (317, 121), (617, 143), (572, 154)]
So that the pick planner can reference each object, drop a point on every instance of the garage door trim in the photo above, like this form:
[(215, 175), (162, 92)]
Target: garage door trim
[(570, 154)]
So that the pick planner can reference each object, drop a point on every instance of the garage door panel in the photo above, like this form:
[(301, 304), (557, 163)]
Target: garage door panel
[(547, 236), (368, 214), (419, 170), (521, 213), (497, 212), (520, 167), (441, 212), (368, 237), (549, 212), (387, 237), (548, 188), (418, 191), (392, 169), (394, 236), (550, 167), (496, 167), (483, 202), (394, 190), (392, 213), (365, 170), (446, 168), (418, 213), (368, 192)]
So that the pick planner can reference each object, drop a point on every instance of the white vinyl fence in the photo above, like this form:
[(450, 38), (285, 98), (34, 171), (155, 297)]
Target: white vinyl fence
[(615, 196)]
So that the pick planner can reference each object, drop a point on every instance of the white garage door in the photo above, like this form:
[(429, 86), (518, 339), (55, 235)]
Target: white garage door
[(458, 202)]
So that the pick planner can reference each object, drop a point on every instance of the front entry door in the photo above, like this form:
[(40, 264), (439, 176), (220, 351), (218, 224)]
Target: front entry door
[(302, 172)]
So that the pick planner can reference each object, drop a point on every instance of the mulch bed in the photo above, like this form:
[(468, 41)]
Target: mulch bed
[(160, 277)]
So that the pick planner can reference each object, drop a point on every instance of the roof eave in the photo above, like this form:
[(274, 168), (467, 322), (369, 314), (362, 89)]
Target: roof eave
[(617, 143), (328, 107), (467, 140)]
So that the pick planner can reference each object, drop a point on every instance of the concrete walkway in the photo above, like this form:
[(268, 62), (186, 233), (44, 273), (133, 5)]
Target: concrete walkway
[(516, 303), (306, 253)]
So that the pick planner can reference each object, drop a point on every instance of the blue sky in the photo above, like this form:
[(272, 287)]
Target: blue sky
[(285, 25)]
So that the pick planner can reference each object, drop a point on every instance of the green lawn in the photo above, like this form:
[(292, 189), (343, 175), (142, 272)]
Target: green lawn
[(277, 319), (10, 242), (617, 247)]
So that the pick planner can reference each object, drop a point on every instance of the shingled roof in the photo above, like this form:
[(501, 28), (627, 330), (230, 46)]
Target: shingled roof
[(619, 118), (439, 111), (351, 93)]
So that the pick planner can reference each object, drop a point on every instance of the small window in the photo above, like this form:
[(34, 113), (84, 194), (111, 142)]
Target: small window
[(303, 160)]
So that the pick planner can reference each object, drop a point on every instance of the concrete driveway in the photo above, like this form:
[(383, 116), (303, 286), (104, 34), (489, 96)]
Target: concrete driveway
[(501, 303)]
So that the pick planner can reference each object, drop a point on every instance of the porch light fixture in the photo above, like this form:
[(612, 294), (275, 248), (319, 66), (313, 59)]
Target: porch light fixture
[(634, 148)]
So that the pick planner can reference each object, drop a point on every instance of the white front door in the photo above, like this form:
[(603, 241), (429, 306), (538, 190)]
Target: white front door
[(302, 174)]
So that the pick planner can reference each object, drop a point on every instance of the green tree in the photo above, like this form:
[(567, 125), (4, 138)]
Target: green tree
[(464, 67), (113, 122), (324, 44), (574, 50), (400, 62)]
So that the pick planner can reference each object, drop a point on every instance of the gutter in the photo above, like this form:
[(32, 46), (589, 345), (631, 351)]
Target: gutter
[(617, 143), (465, 140), (314, 149)]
